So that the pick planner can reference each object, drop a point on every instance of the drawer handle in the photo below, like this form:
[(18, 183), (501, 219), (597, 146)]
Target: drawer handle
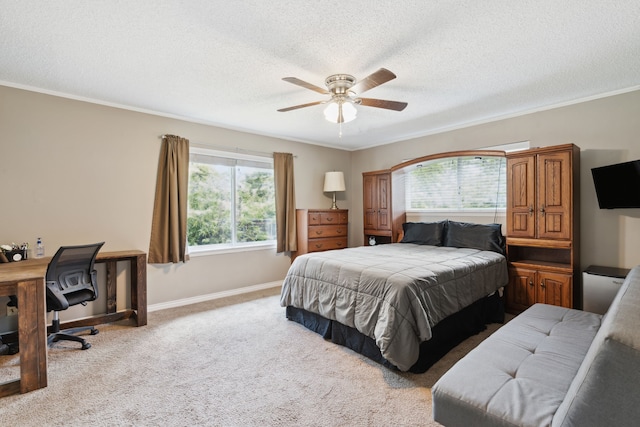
[(339, 231), (318, 245), (339, 244), (319, 232), (329, 219)]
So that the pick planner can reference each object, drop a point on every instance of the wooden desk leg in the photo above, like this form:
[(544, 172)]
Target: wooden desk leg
[(112, 285), (139, 288), (32, 335)]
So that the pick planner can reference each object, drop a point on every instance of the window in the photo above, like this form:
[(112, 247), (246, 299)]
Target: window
[(231, 200), (457, 184)]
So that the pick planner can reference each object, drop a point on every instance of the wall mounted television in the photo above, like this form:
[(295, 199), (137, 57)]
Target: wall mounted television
[(618, 186)]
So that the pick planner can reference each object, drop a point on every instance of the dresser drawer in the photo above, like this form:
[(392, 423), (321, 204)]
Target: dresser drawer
[(317, 245), (318, 231), (327, 218)]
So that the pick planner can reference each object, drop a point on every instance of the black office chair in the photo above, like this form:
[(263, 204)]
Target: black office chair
[(71, 279)]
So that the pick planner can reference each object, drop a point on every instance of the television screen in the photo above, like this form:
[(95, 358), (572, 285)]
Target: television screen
[(618, 186)]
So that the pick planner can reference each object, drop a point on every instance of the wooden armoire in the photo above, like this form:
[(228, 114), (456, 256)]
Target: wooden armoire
[(383, 206), (543, 227)]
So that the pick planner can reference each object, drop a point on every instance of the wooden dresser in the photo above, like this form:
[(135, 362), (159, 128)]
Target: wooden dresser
[(321, 230)]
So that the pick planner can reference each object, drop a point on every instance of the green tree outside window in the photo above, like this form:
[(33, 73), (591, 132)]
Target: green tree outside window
[(229, 204)]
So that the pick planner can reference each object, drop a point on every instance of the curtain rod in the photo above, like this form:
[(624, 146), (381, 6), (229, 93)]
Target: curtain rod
[(230, 149)]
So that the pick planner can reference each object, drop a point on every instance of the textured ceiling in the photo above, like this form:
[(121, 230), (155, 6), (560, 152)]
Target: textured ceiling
[(222, 62)]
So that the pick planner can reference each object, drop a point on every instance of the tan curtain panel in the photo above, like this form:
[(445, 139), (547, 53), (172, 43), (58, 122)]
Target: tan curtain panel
[(169, 227), (285, 202)]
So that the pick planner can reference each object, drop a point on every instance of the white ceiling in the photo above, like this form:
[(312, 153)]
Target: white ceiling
[(221, 62)]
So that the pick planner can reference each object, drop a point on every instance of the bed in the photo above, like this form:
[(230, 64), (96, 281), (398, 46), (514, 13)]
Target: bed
[(402, 304)]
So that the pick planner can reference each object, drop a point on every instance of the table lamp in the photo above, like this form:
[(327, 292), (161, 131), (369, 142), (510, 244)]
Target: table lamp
[(334, 181)]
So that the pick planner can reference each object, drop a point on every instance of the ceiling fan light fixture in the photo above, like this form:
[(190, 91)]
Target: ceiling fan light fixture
[(345, 93), (332, 112)]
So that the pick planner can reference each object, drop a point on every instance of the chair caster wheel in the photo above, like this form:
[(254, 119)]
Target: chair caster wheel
[(86, 346), (94, 332)]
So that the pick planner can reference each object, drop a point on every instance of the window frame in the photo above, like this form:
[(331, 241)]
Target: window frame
[(234, 246)]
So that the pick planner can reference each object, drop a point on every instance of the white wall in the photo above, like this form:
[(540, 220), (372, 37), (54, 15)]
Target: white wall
[(73, 172), (607, 130)]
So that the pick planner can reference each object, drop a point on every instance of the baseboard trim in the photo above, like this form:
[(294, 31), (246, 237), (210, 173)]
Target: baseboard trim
[(215, 295)]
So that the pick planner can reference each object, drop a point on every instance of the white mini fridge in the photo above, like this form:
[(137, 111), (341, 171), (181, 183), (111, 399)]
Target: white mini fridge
[(599, 287)]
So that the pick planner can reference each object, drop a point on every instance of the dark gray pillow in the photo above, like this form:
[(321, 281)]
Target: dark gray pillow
[(486, 237), (423, 233)]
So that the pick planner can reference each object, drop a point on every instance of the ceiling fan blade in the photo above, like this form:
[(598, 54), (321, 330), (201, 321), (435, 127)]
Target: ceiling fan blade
[(297, 81), (376, 79), (383, 103), (295, 107)]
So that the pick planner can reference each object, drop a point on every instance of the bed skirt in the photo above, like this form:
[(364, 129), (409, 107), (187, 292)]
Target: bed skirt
[(446, 335)]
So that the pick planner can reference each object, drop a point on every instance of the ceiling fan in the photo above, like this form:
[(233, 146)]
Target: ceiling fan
[(345, 90)]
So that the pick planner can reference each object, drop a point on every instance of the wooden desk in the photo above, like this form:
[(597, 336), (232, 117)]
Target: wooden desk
[(28, 285), (25, 279), (138, 276)]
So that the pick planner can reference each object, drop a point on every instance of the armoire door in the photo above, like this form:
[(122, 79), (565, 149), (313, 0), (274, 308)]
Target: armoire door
[(521, 221), (554, 195)]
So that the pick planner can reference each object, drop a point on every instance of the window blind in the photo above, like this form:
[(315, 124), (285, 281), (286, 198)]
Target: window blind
[(457, 184), (228, 161)]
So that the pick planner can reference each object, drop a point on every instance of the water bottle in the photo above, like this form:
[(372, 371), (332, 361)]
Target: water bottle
[(39, 248)]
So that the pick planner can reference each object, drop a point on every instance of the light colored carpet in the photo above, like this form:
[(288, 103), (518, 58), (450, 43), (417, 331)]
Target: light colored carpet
[(230, 362)]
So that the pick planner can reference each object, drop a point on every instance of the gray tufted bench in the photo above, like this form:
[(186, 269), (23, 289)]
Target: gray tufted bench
[(551, 366)]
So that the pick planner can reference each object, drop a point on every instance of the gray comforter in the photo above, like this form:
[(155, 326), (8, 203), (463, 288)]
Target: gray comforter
[(393, 293)]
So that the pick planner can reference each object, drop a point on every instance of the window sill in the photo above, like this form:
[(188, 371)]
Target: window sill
[(195, 251)]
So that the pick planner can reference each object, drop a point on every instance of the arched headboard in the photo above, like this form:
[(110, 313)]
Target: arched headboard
[(398, 176)]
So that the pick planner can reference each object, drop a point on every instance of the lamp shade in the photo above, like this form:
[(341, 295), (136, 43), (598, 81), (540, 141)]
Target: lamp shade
[(334, 181)]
